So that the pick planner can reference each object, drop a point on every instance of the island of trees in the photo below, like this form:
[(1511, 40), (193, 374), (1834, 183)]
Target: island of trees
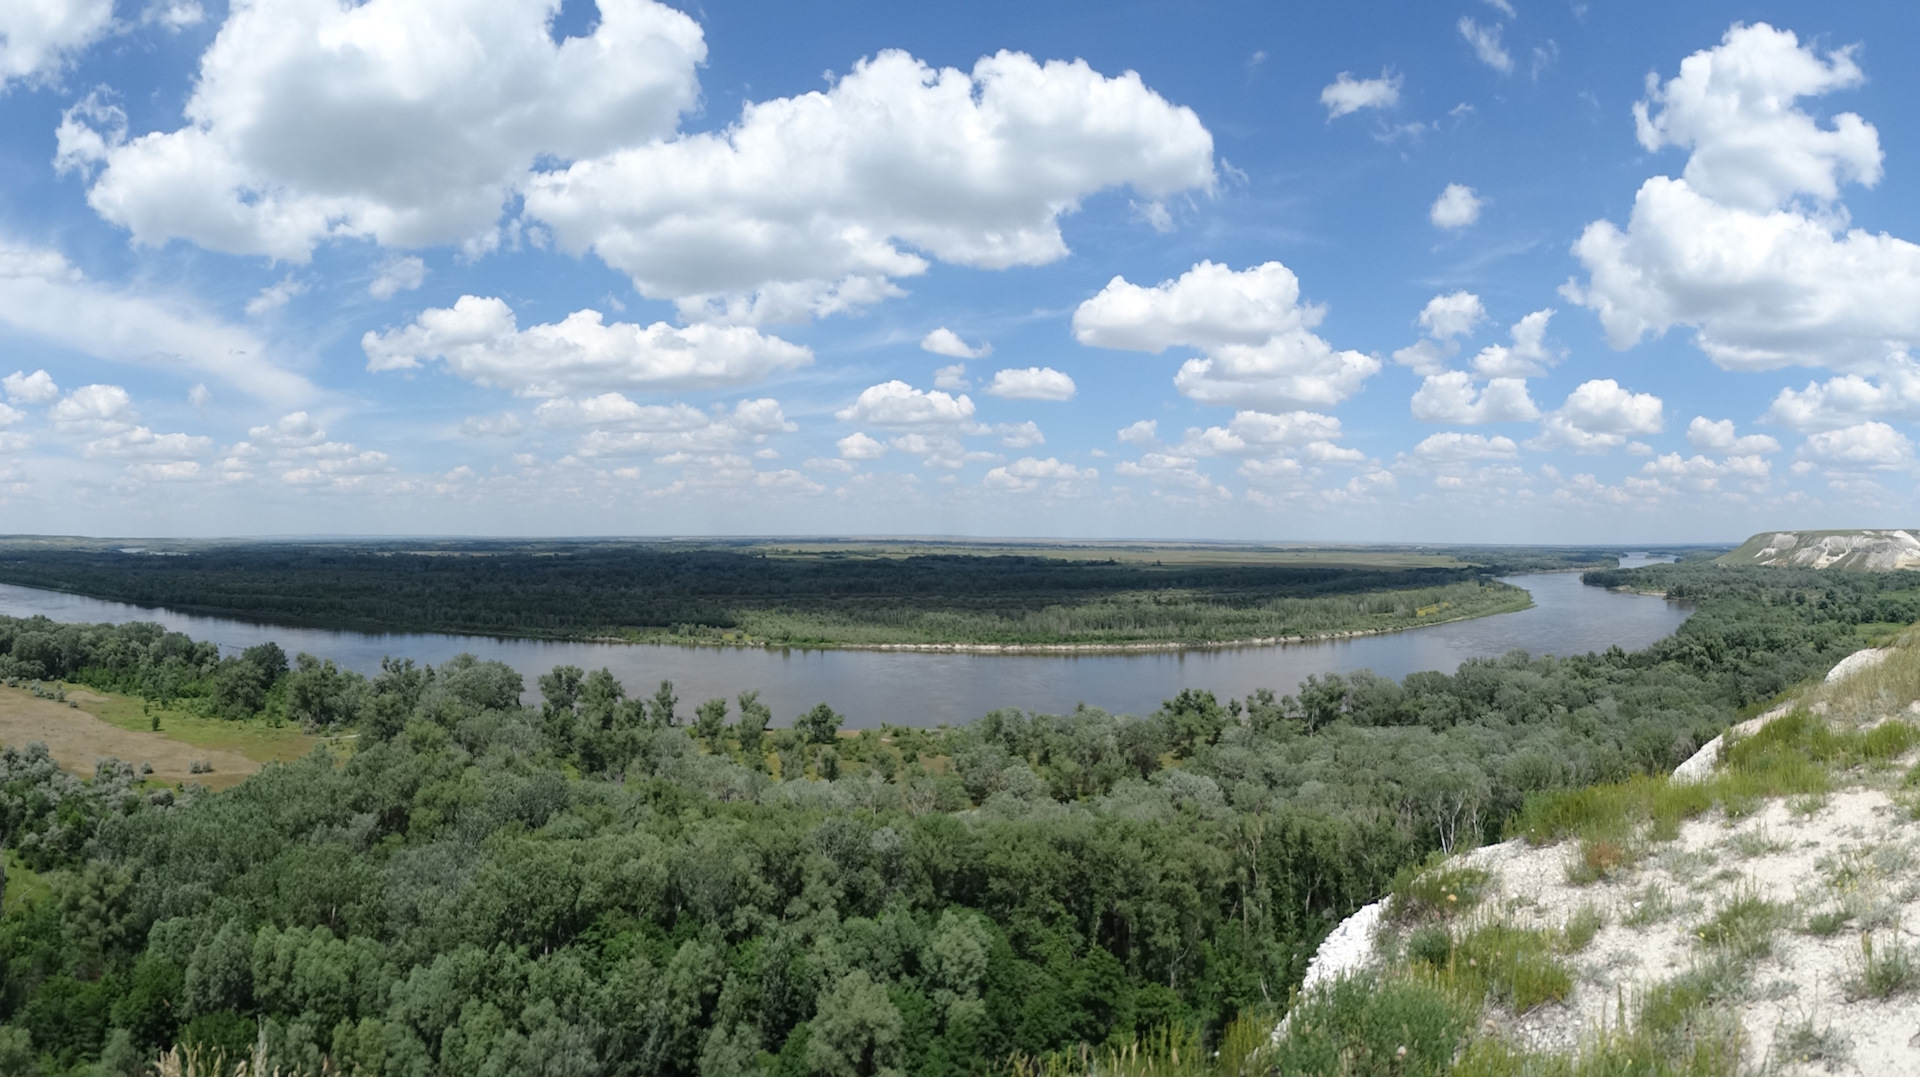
[(827, 597), (578, 877)]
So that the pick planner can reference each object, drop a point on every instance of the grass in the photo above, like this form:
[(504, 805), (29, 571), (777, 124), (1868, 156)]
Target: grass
[(1652, 905), (1434, 889), (1744, 925), (1172, 1051), (1828, 922), (1811, 1043), (1882, 971), (255, 740), (1581, 927)]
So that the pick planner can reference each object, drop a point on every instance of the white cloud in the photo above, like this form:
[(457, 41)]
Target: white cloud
[(1708, 435), (1450, 397), (944, 341), (397, 275), (479, 340), (294, 430), (1503, 7), (1024, 435), (1346, 94), (1598, 416), (275, 296), (1850, 399), (34, 388), (1451, 446), (858, 446), (1028, 474), (1257, 333), (10, 415), (37, 37), (165, 471), (1529, 355), (814, 203), (1031, 383), (504, 425), (1701, 474), (1728, 250), (1456, 314), (101, 408), (1867, 446), (952, 378), (1733, 107), (1457, 207), (619, 426), (895, 403), (1259, 432), (1143, 432), (142, 442), (43, 295), (412, 140), (199, 395), (1486, 44)]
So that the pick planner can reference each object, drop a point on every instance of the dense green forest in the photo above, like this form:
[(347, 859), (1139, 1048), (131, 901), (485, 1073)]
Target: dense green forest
[(703, 594), (594, 883)]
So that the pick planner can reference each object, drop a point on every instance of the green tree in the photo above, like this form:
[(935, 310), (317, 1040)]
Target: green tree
[(710, 723), (819, 725), (856, 1031)]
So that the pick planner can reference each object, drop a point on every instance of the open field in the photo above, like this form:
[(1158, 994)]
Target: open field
[(105, 725)]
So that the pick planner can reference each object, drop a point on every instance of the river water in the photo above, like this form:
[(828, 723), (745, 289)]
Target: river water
[(871, 687)]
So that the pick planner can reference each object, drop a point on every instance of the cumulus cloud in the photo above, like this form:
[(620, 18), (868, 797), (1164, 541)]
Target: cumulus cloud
[(34, 388), (1457, 207), (1728, 249), (1451, 397), (1528, 356), (1870, 446), (1031, 383), (1029, 474), (1486, 44), (43, 295), (99, 408), (1168, 471), (1598, 416), (944, 341), (1258, 432), (895, 403), (618, 425), (297, 446), (815, 203), (1456, 314), (312, 119), (38, 37), (397, 275), (952, 378), (1257, 334), (140, 442), (1850, 399), (1733, 107), (1143, 432), (1452, 446), (478, 339), (1701, 474), (1708, 435), (1346, 94), (858, 446)]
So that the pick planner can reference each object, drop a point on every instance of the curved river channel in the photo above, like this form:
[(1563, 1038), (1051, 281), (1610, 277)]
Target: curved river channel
[(871, 687)]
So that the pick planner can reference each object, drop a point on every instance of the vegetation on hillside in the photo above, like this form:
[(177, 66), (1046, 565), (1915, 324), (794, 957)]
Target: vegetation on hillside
[(602, 884), (693, 595)]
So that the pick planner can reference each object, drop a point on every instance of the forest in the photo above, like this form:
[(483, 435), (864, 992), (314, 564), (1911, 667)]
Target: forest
[(572, 878), (705, 594)]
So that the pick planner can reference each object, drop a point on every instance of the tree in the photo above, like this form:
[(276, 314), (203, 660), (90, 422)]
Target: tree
[(819, 725), (856, 1031), (710, 723), (661, 713), (752, 729)]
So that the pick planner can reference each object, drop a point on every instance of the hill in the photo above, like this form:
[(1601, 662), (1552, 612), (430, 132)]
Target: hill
[(1862, 549)]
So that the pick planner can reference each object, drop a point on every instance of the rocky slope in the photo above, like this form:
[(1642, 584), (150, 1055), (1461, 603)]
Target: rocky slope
[(1870, 550)]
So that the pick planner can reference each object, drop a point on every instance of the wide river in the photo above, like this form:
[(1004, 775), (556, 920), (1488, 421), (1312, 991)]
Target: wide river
[(872, 687)]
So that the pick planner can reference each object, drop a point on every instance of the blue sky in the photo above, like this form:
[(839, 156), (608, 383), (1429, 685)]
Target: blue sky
[(1485, 271)]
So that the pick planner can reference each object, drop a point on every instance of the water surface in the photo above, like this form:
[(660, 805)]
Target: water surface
[(905, 688)]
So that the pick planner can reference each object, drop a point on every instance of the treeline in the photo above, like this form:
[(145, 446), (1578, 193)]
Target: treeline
[(648, 592), (607, 883)]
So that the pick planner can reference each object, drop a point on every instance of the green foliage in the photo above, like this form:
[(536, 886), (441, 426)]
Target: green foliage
[(1436, 889), (1744, 925), (1366, 1025), (1882, 970)]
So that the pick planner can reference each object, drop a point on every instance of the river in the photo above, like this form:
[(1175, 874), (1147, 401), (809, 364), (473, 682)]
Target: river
[(872, 687)]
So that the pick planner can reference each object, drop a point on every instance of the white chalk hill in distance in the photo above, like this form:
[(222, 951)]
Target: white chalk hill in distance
[(1864, 549)]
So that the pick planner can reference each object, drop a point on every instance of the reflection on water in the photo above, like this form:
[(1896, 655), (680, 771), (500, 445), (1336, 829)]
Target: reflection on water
[(928, 689)]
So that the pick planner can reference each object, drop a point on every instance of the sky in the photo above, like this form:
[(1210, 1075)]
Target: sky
[(1477, 271)]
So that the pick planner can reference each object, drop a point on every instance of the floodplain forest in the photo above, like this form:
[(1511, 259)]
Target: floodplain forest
[(608, 880), (705, 594)]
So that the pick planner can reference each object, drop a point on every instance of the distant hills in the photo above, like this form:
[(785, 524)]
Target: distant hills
[(1863, 549)]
